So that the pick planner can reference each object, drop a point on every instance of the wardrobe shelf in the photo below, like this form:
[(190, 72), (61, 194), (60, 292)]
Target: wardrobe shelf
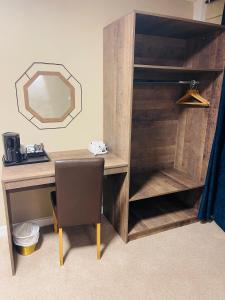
[(162, 182), (166, 26), (176, 69), (149, 217)]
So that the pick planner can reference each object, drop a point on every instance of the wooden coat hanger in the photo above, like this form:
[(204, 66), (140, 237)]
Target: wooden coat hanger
[(194, 94)]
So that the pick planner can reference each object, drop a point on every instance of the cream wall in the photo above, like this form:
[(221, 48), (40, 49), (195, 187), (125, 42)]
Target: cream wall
[(68, 32), (211, 12), (198, 9), (214, 11)]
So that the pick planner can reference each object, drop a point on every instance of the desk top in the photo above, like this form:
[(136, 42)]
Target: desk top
[(21, 176)]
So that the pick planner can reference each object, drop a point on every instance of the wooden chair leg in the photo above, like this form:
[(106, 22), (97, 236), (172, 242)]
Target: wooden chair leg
[(61, 246), (98, 239), (55, 223)]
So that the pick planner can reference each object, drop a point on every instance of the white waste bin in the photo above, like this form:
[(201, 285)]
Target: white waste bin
[(25, 237)]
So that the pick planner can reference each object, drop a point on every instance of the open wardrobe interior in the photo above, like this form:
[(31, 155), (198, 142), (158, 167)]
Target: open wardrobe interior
[(150, 62)]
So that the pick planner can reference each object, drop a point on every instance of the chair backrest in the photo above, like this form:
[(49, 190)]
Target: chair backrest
[(79, 191)]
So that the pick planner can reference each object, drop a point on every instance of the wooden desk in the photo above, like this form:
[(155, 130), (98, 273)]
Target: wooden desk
[(34, 176)]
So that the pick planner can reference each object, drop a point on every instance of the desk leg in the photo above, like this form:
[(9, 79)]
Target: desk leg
[(116, 202), (6, 196)]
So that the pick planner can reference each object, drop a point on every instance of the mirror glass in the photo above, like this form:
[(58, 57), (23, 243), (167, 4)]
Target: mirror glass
[(49, 96)]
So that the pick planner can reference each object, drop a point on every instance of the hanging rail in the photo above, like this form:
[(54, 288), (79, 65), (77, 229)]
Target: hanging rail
[(193, 83)]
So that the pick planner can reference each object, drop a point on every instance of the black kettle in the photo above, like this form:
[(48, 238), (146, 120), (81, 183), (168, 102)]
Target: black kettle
[(11, 142)]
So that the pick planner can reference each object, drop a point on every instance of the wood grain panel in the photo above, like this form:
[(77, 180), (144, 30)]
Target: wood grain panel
[(50, 181), (174, 69), (156, 183), (33, 183), (43, 173), (194, 145), (154, 127), (118, 89), (115, 204), (156, 134), (190, 141), (118, 84), (155, 50), (153, 159), (6, 199), (153, 24), (152, 96), (204, 52), (159, 214), (182, 178), (211, 126)]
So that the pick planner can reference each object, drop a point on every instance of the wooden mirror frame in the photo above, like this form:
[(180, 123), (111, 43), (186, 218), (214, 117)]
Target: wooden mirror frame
[(36, 114), (25, 81)]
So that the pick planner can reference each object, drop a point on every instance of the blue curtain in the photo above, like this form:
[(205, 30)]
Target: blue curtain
[(212, 205)]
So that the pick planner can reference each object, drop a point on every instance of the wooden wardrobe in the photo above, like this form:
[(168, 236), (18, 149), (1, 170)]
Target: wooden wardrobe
[(166, 146)]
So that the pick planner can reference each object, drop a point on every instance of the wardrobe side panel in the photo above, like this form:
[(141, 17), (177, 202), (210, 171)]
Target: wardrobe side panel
[(118, 90), (118, 85)]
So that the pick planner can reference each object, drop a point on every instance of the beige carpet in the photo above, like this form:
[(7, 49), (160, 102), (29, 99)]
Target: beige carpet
[(183, 263)]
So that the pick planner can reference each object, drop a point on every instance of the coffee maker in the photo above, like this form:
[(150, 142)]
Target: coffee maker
[(11, 142)]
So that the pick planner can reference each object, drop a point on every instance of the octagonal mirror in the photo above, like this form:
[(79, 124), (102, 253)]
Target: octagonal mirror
[(48, 98)]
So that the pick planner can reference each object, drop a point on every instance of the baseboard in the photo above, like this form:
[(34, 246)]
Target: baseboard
[(41, 222)]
